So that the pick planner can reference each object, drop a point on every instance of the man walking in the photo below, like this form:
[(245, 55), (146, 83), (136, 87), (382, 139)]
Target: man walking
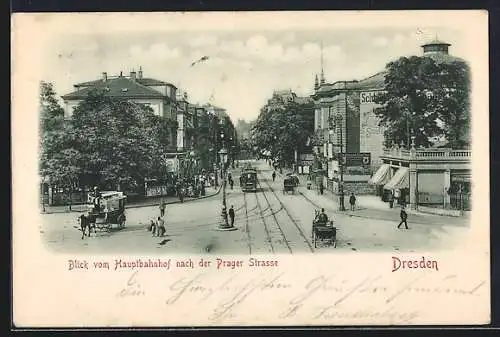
[(403, 216), (274, 175), (231, 215), (352, 201), (162, 207)]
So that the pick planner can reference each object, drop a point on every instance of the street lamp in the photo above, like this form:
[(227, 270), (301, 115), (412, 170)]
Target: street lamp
[(330, 133), (223, 160)]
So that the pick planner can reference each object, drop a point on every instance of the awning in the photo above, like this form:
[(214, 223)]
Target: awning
[(382, 175), (399, 180), (461, 177)]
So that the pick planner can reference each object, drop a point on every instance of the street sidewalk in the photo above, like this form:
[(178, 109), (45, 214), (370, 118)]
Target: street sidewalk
[(371, 207), (151, 201)]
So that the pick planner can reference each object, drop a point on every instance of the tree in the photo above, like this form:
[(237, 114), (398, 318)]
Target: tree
[(58, 160), (423, 99), (451, 101), (406, 109), (119, 141), (284, 129), (51, 113)]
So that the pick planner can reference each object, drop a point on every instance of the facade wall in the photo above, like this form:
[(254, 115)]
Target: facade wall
[(352, 122), (371, 134), (431, 188), (180, 132), (431, 182), (338, 107), (155, 104), (317, 118)]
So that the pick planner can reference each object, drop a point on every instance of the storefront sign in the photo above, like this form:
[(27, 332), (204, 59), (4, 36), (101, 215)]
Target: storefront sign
[(356, 159), (155, 191), (368, 97), (172, 164)]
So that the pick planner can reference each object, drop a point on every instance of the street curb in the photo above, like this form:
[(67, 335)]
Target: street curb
[(148, 205)]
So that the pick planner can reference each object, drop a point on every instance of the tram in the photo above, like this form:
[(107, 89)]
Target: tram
[(248, 179)]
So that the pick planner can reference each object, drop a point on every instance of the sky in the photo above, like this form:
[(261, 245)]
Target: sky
[(244, 66)]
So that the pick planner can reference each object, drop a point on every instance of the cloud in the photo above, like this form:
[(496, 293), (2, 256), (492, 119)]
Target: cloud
[(246, 65), (157, 51), (380, 41), (259, 47), (399, 39), (203, 41), (333, 52), (289, 38), (257, 43)]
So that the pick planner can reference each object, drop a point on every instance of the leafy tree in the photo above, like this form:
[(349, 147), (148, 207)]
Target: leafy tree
[(284, 129), (119, 141), (406, 109), (51, 113), (58, 161), (424, 99), (451, 101)]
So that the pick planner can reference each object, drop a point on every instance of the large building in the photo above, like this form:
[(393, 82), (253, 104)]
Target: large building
[(162, 97), (344, 114)]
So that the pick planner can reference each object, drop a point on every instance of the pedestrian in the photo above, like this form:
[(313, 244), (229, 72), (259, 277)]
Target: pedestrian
[(391, 200), (352, 201), (162, 207), (321, 188), (403, 216), (160, 227), (231, 182), (152, 227), (231, 215), (274, 175)]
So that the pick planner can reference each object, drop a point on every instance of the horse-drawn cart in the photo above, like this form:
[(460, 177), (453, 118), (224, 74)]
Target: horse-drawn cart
[(323, 231), (108, 209), (289, 185)]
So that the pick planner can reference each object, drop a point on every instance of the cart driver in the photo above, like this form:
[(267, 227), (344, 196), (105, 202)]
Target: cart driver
[(322, 216), (97, 201)]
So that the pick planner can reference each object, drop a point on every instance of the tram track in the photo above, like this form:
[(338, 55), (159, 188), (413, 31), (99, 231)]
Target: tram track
[(288, 214), (278, 226), (266, 228), (247, 225)]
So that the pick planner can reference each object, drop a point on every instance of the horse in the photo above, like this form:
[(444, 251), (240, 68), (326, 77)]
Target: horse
[(87, 221)]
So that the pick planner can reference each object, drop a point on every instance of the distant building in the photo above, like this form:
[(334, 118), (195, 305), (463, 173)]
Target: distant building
[(278, 101), (282, 97)]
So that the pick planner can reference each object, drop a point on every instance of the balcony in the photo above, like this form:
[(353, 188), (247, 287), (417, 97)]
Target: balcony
[(427, 154)]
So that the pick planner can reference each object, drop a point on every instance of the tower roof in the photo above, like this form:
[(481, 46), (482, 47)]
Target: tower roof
[(436, 42)]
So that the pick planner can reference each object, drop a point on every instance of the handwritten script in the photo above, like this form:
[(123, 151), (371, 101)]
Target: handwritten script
[(320, 299)]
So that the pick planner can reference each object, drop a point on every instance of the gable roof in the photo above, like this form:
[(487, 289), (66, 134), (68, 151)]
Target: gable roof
[(117, 87), (144, 81), (376, 81)]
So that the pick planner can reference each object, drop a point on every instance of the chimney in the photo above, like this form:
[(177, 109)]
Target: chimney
[(104, 76), (140, 73), (132, 75)]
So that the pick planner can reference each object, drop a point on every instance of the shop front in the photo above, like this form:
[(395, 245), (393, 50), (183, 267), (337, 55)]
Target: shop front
[(429, 178)]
